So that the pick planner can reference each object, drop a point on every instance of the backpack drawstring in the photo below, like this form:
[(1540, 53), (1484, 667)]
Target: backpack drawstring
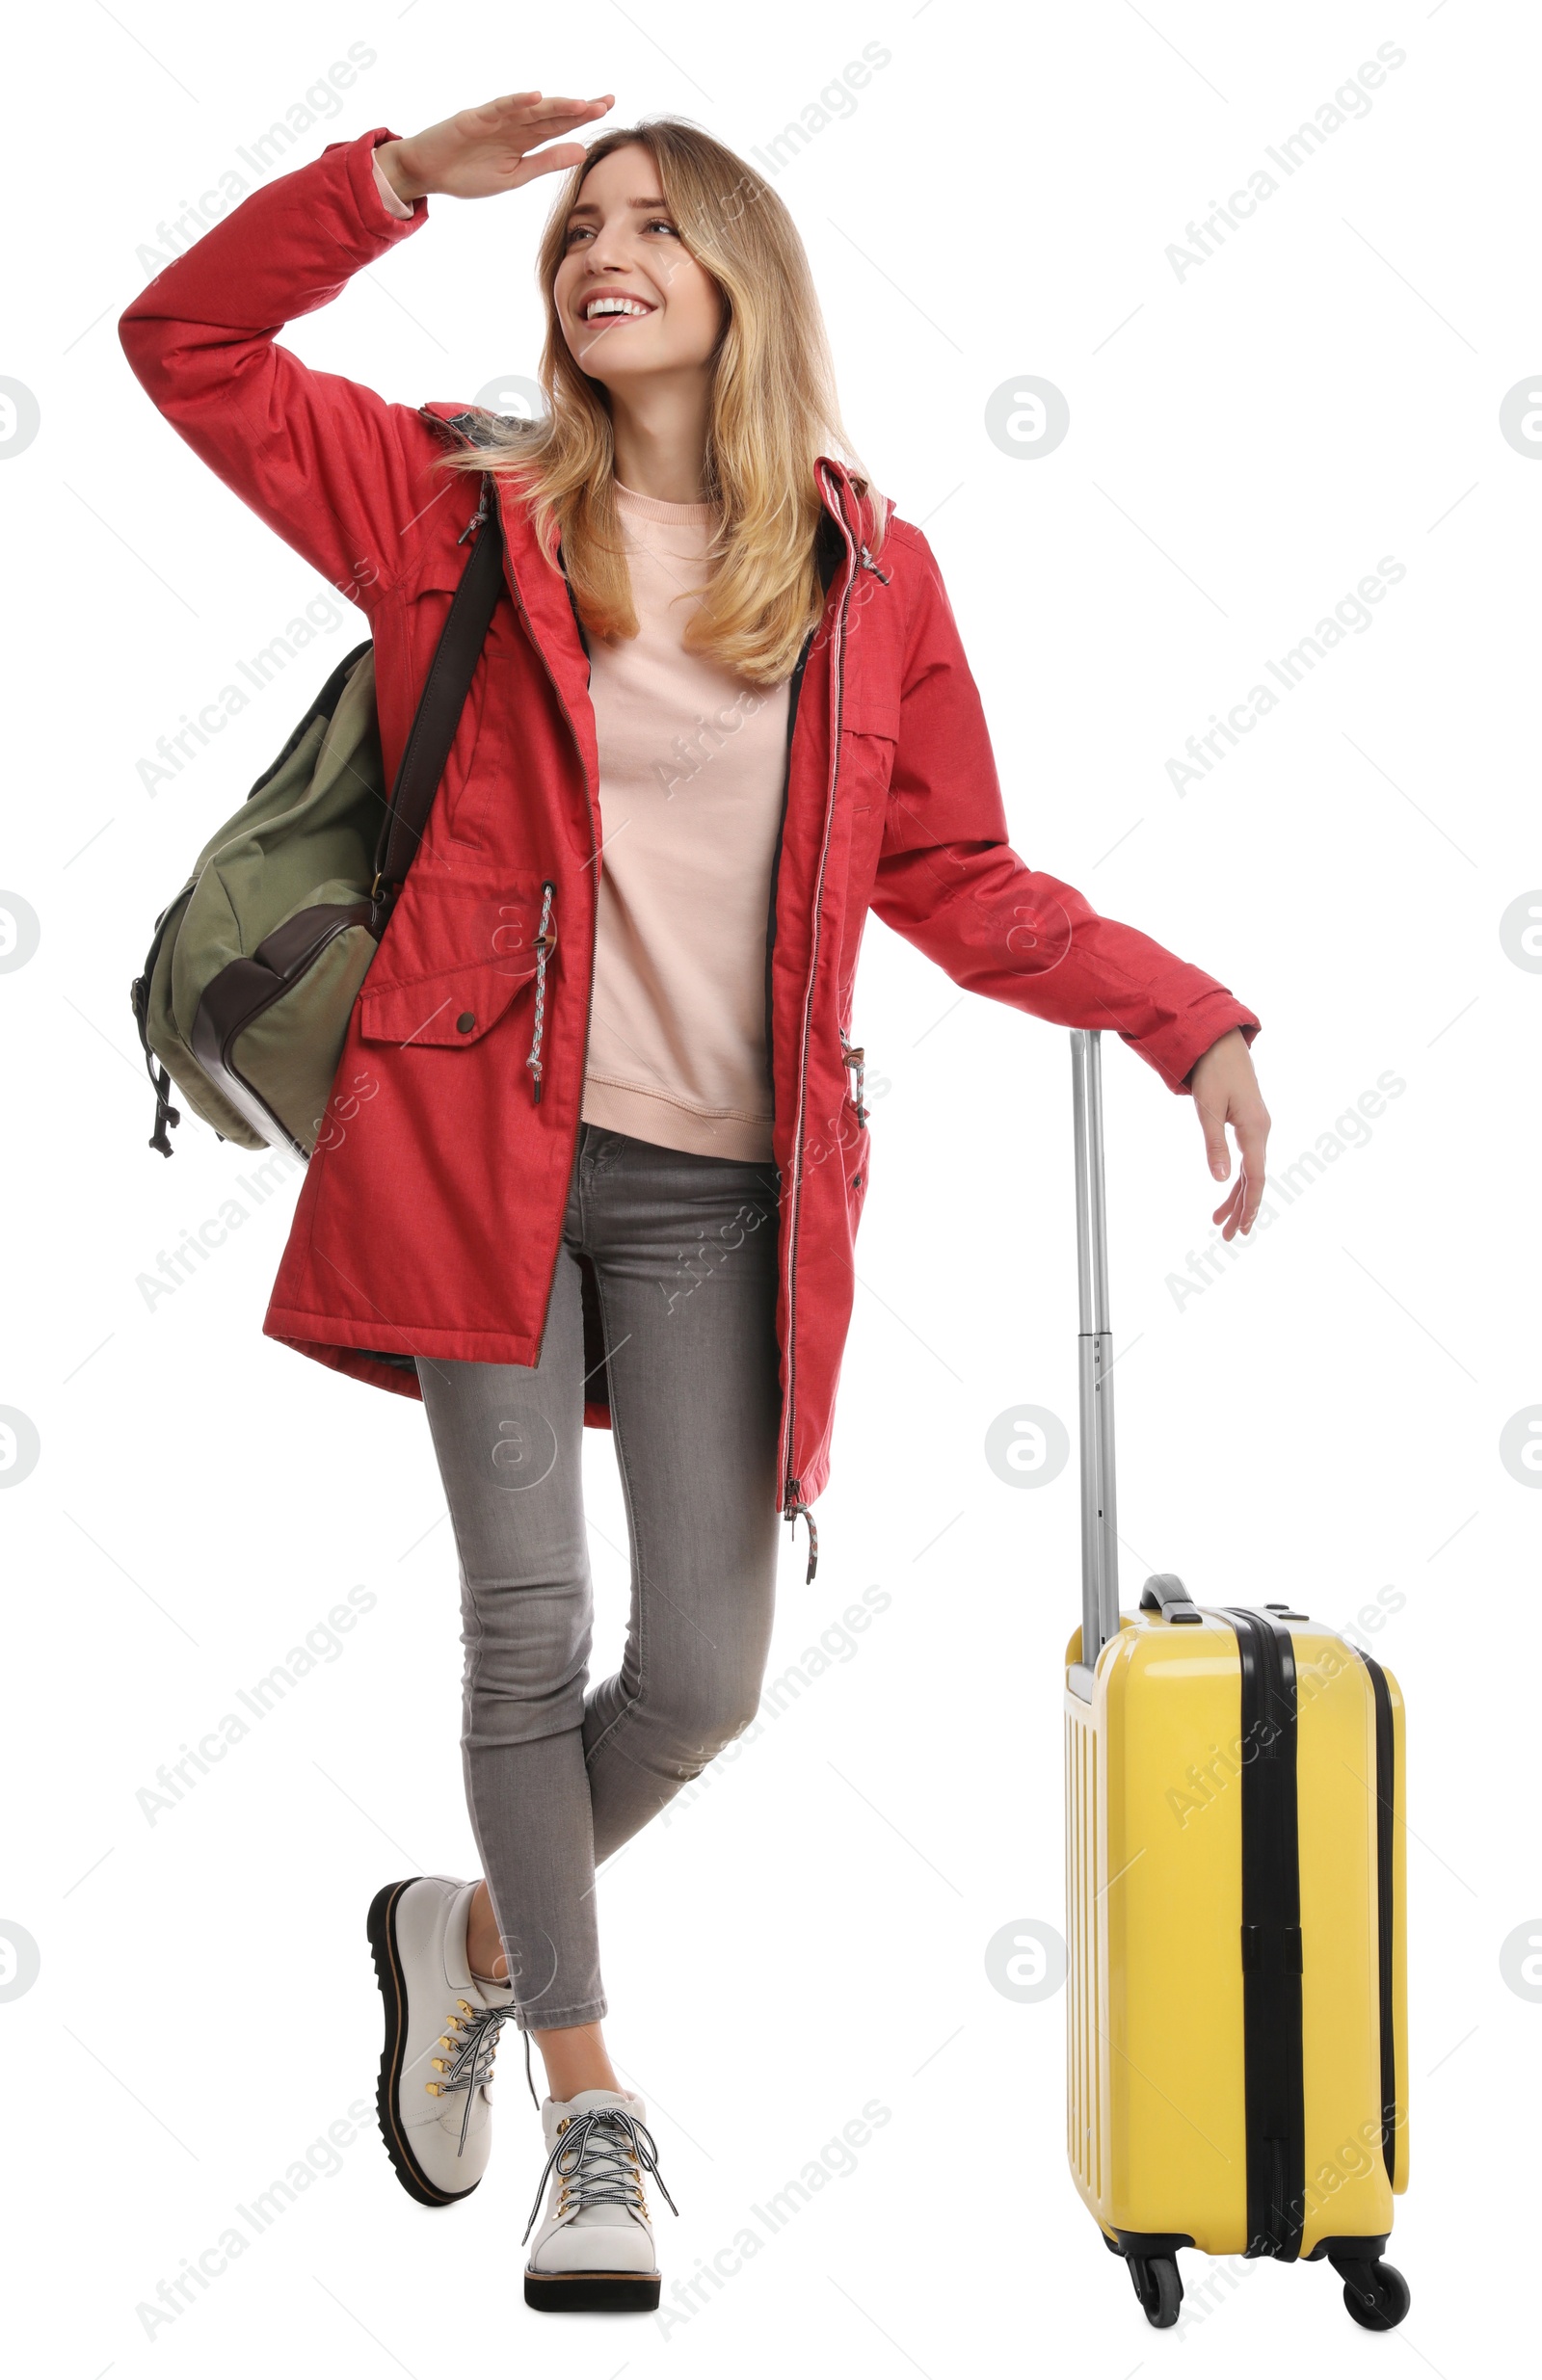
[(165, 1113), (139, 997)]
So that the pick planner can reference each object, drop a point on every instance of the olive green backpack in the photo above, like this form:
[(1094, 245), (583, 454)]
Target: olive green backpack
[(248, 986)]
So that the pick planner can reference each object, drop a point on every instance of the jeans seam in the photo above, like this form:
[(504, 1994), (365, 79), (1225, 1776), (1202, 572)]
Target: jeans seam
[(473, 1677), (468, 1700), (624, 1464)]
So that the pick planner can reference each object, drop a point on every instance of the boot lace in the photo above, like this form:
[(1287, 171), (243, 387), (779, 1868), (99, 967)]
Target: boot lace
[(471, 2035), (600, 2157)]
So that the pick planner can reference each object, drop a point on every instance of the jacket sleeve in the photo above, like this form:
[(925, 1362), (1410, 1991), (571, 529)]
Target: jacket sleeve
[(950, 882), (329, 466)]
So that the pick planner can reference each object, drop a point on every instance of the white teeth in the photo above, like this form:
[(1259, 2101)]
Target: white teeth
[(614, 306)]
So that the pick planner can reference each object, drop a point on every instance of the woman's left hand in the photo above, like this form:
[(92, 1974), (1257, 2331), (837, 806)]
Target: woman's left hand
[(1226, 1092)]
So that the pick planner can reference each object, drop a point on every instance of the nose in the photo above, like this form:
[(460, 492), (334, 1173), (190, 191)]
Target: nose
[(607, 250)]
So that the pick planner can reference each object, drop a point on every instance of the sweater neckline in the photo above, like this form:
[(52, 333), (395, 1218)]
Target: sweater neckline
[(655, 508)]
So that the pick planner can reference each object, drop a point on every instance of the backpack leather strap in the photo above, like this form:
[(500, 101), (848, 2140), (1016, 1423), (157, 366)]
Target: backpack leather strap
[(442, 700)]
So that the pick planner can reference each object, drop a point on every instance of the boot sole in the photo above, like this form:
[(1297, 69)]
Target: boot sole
[(595, 2292), (382, 1930)]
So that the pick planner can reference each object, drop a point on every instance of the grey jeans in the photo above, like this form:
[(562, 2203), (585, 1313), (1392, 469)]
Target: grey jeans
[(559, 1773)]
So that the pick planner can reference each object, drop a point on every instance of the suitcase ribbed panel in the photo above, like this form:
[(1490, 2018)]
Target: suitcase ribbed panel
[(1084, 2106)]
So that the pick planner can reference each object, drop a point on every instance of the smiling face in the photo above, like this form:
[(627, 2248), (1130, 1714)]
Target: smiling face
[(630, 299)]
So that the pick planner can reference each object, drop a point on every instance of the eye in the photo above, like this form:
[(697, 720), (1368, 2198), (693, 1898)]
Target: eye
[(661, 222), (575, 231)]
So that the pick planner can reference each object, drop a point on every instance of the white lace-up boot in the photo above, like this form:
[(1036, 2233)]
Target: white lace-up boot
[(594, 2252), (441, 2033)]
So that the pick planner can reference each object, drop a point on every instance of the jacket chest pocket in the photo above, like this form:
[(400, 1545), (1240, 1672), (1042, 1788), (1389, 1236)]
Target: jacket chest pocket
[(869, 733), (425, 609)]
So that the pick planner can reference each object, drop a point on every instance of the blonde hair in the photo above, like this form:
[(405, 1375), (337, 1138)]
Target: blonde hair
[(773, 411)]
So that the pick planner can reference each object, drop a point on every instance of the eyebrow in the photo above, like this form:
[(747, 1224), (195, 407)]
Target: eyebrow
[(587, 206)]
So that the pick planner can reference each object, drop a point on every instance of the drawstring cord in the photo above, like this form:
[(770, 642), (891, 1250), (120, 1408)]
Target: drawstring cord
[(481, 513), (497, 1984), (855, 1059), (797, 1510), (546, 939)]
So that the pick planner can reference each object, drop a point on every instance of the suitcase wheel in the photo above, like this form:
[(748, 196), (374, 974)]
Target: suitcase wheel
[(1159, 2288), (1376, 2295)]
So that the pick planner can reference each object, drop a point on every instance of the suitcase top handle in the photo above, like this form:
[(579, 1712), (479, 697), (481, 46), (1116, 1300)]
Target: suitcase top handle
[(1169, 1596)]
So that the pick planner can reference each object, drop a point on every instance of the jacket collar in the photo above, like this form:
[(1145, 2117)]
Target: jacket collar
[(542, 588), (847, 500)]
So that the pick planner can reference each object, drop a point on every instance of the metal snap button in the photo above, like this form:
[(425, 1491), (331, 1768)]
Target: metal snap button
[(465, 1023)]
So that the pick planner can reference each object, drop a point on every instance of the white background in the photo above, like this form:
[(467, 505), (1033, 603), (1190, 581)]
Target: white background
[(808, 1932)]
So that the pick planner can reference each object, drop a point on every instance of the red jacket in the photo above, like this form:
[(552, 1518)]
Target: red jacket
[(432, 1223)]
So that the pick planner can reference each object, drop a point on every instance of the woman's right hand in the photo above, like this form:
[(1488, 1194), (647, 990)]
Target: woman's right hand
[(487, 150)]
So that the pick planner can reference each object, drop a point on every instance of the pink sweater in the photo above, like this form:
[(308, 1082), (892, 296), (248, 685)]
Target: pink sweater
[(691, 766)]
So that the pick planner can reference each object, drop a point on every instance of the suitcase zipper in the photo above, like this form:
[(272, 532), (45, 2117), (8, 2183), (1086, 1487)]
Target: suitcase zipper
[(1273, 2070)]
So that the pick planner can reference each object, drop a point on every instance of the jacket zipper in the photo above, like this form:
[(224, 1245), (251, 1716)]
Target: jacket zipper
[(792, 1499), (826, 580), (792, 1503), (795, 690), (594, 861)]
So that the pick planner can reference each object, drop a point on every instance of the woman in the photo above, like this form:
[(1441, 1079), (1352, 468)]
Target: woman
[(610, 1149)]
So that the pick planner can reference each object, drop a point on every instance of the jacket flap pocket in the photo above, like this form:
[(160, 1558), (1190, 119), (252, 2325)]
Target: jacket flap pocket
[(860, 715), (446, 1011)]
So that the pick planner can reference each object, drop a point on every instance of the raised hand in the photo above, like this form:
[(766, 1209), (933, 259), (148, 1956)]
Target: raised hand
[(487, 150)]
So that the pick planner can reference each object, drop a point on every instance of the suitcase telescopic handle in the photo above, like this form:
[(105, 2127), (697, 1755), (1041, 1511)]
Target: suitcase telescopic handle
[(1100, 1534)]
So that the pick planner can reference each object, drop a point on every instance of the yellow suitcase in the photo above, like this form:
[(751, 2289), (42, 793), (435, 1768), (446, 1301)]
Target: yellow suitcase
[(1236, 2034)]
